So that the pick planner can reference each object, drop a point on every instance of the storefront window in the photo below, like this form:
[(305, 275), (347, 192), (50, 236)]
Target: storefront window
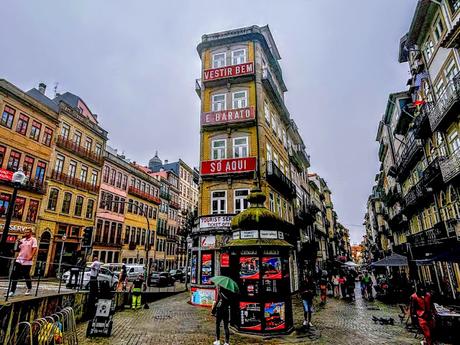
[(32, 211)]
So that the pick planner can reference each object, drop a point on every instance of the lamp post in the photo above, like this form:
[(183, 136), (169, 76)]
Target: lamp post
[(18, 179)]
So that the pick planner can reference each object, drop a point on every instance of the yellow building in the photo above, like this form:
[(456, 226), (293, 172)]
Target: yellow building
[(27, 138), (73, 188)]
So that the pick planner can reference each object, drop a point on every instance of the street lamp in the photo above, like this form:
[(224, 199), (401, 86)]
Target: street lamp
[(18, 179)]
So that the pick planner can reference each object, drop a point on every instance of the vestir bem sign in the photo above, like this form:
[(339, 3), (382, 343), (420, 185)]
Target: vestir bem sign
[(227, 116), (228, 71), (228, 166)]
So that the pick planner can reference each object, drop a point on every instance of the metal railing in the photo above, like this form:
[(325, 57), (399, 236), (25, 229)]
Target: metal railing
[(412, 147), (143, 195), (450, 166), (277, 177), (73, 181), (443, 105), (79, 150)]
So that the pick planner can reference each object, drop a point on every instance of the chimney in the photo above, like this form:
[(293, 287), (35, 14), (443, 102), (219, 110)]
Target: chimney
[(42, 88), (166, 161)]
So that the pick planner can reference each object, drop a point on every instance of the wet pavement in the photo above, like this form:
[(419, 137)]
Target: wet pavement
[(173, 321)]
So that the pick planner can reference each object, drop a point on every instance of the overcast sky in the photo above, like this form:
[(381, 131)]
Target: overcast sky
[(135, 63)]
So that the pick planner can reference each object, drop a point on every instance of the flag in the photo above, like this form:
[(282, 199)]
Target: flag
[(419, 102)]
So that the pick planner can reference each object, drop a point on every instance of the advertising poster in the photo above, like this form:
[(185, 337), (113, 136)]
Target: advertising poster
[(224, 260), (274, 316), (250, 316), (204, 297), (206, 268), (249, 267), (271, 267), (194, 269), (269, 285)]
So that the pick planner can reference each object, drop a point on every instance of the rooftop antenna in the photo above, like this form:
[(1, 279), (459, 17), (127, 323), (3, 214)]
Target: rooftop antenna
[(55, 88)]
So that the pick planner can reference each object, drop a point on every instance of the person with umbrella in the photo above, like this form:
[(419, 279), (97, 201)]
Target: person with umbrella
[(221, 307)]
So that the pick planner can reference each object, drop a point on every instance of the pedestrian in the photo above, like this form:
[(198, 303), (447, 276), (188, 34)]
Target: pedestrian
[(323, 287), (221, 310), (422, 309), (307, 293), (76, 262), (23, 264), (335, 284), (136, 291), (342, 282), (366, 283), (93, 274), (123, 275)]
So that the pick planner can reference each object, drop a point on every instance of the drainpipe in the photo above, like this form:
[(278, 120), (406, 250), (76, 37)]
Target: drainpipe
[(257, 119)]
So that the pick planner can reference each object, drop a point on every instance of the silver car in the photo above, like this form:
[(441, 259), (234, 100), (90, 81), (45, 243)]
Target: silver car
[(104, 275)]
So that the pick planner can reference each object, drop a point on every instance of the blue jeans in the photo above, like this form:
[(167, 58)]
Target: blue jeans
[(307, 306)]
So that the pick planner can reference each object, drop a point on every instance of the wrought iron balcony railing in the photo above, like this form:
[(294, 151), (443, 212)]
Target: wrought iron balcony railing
[(32, 185), (280, 181), (446, 104), (73, 181), (431, 174), (412, 151), (450, 166), (174, 205), (165, 195), (433, 236), (79, 150), (143, 195)]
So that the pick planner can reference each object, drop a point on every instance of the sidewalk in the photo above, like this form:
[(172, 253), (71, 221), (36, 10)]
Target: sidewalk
[(173, 321)]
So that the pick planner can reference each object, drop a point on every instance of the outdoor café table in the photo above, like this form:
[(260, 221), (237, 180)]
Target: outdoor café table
[(447, 323)]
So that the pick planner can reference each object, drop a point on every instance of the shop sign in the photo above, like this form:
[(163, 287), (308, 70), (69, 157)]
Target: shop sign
[(236, 235), (18, 228), (228, 71), (208, 241), (249, 234), (224, 260), (228, 116), (270, 234), (6, 175), (271, 252), (248, 252), (228, 166), (209, 222), (281, 235), (11, 239)]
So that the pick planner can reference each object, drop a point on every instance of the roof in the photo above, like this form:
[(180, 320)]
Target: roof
[(37, 95), (421, 20)]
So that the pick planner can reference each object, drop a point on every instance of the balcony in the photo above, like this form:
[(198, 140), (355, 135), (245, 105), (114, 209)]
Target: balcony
[(300, 159), (174, 205), (73, 182), (198, 87), (431, 174), (79, 150), (411, 153), (276, 96), (450, 166), (171, 238), (413, 197), (421, 124), (433, 236), (228, 74), (446, 105), (280, 181), (31, 185), (144, 196), (165, 195)]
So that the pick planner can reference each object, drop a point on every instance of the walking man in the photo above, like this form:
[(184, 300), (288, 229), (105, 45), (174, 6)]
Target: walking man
[(93, 274), (221, 310), (27, 250), (307, 292), (422, 310)]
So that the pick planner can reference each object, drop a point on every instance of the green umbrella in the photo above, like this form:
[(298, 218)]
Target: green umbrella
[(226, 283)]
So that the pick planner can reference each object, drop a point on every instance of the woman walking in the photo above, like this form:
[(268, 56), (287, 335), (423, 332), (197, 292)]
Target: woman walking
[(307, 292), (221, 310)]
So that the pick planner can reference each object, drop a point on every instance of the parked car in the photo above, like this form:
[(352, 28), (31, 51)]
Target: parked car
[(161, 279), (178, 275), (114, 267), (134, 271), (104, 275)]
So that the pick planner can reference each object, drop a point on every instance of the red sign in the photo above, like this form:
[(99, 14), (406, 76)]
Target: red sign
[(228, 71), (228, 166), (6, 175), (224, 260), (228, 116)]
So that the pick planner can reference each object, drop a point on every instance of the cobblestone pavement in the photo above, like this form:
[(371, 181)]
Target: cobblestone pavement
[(173, 321)]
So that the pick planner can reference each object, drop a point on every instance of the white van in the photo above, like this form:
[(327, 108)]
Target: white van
[(134, 271)]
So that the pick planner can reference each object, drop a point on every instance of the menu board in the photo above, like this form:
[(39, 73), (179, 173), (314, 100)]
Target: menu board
[(194, 269), (271, 267), (275, 316), (249, 267), (250, 316), (206, 268)]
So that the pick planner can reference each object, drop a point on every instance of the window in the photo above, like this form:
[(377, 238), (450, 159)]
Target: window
[(282, 165), (105, 174), (52, 200), (240, 99), (18, 210), (219, 202), (23, 122), (275, 159), (130, 205), (88, 144), (32, 211), (218, 102), (241, 203), (94, 178), (438, 30), (278, 205), (35, 130), (269, 153), (83, 173), (119, 175), (127, 234), (78, 206), (98, 149), (59, 164), (66, 203), (13, 162), (113, 175), (125, 181), (428, 49), (453, 141), (40, 172), (267, 113), (28, 166), (219, 148), (90, 209), (72, 169), (274, 125), (2, 155), (47, 136), (272, 202), (238, 56), (284, 138), (240, 147), (65, 131), (218, 60), (116, 204), (7, 117), (77, 138)]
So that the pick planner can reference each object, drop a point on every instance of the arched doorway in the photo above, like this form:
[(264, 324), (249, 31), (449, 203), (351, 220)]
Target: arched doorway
[(43, 249)]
